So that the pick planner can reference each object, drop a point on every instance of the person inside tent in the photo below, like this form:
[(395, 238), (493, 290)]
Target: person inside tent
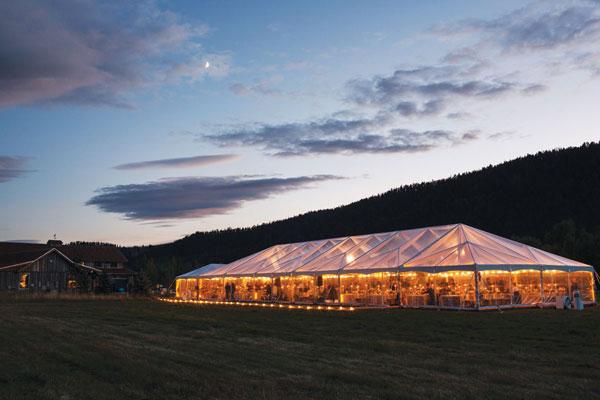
[(516, 297), (577, 300), (430, 292), (331, 294), (567, 304), (269, 292), (227, 291)]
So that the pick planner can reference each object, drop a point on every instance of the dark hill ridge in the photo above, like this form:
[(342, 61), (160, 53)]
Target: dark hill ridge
[(529, 198)]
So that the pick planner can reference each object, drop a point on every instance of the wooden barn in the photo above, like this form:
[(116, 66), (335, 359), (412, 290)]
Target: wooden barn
[(39, 268), (56, 267)]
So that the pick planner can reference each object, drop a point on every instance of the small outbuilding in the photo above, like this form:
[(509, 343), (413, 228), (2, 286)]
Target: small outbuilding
[(452, 266)]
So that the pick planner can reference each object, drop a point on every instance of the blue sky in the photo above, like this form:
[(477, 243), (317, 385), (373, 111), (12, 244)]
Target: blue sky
[(139, 123)]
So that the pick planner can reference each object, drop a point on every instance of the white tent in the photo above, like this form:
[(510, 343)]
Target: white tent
[(383, 259), (196, 273)]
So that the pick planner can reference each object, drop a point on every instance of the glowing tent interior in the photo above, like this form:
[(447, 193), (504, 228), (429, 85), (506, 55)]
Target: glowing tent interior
[(451, 266)]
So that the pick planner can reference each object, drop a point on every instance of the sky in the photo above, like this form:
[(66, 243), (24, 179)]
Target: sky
[(141, 122)]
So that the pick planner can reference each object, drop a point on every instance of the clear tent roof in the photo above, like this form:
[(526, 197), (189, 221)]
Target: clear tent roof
[(195, 273), (455, 245)]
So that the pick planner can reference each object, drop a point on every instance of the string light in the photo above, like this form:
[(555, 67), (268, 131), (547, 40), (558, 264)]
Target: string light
[(243, 304)]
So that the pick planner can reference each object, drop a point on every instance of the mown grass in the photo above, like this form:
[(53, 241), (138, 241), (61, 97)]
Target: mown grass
[(136, 349)]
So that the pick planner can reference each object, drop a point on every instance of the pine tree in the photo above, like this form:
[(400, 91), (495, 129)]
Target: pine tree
[(143, 282), (151, 270), (104, 285)]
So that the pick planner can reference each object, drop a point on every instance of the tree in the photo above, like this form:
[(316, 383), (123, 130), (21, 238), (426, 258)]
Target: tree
[(151, 271), (143, 282), (104, 284), (84, 281)]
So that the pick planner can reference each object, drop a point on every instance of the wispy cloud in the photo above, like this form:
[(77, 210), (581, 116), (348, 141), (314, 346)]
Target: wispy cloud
[(505, 135), (564, 32), (194, 197), (183, 162), (89, 53), (336, 136), (538, 25), (12, 167), (265, 86), (428, 90)]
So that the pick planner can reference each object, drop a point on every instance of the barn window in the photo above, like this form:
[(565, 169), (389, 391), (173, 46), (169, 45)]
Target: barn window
[(24, 281), (72, 284)]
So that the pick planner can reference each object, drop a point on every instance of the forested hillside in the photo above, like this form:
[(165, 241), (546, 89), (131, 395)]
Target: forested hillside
[(550, 199)]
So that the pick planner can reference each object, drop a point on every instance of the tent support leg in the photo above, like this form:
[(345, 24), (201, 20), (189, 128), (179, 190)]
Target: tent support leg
[(339, 288), (476, 289), (542, 287)]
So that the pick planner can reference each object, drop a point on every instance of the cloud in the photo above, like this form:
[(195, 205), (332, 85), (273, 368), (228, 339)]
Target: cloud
[(335, 136), (12, 167), (427, 90), (534, 89), (538, 25), (241, 89), (535, 27), (556, 36), (183, 162), (587, 60), (566, 31), (261, 87), (411, 108), (88, 53), (503, 135), (458, 115), (194, 197)]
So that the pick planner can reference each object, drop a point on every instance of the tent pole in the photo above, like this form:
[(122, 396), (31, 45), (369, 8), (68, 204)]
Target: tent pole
[(272, 286), (510, 289), (476, 289), (569, 282), (594, 273), (541, 286), (339, 288), (315, 289)]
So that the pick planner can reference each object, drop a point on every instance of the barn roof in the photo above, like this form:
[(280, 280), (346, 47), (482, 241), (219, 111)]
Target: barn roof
[(14, 253), (76, 252), (22, 259)]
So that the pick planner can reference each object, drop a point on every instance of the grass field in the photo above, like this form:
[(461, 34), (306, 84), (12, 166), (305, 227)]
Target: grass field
[(141, 349)]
